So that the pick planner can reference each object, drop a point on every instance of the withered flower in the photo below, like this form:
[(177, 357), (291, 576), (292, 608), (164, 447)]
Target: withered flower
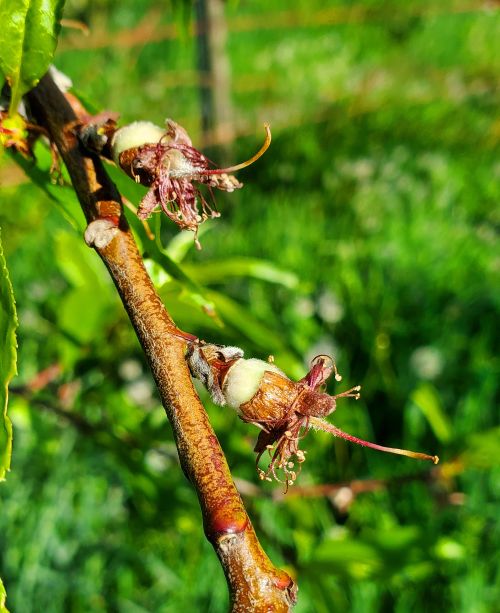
[(167, 163), (285, 410)]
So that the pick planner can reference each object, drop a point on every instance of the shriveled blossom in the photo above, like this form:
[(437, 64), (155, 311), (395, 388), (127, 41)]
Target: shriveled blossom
[(173, 170), (284, 410)]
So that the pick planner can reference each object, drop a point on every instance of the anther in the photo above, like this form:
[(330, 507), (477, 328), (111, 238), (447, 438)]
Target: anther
[(338, 376)]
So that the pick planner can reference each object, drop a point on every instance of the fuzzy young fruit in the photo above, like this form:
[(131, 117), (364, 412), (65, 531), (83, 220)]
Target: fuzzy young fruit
[(135, 135), (243, 380)]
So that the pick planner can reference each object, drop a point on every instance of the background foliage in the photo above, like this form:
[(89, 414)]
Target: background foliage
[(368, 231)]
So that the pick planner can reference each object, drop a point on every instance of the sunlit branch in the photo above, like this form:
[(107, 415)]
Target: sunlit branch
[(254, 583)]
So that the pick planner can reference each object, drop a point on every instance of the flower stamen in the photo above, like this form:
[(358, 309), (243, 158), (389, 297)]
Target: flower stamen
[(254, 158)]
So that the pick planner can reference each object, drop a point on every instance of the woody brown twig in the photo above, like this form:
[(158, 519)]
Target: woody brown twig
[(254, 583)]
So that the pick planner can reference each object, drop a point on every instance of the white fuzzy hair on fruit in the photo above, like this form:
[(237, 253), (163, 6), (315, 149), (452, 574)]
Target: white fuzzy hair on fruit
[(243, 380)]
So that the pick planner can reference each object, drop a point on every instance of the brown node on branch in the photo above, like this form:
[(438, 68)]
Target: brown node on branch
[(96, 131)]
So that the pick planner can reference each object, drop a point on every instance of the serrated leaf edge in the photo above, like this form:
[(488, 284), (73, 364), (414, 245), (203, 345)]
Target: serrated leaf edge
[(11, 369)]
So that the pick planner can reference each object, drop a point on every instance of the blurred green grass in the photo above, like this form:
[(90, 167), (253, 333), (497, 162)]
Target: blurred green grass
[(380, 196)]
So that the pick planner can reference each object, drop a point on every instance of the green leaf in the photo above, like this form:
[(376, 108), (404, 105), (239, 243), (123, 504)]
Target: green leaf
[(179, 246), (3, 596), (152, 251), (260, 334), (427, 400), (219, 271), (347, 558), (28, 40), (8, 355), (82, 269), (63, 196), (482, 450)]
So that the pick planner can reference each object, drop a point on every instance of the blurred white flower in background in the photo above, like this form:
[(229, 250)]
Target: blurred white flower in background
[(304, 307), (329, 307), (139, 387), (130, 370), (427, 362)]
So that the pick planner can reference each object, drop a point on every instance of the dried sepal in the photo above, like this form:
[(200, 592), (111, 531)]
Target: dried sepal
[(208, 363)]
